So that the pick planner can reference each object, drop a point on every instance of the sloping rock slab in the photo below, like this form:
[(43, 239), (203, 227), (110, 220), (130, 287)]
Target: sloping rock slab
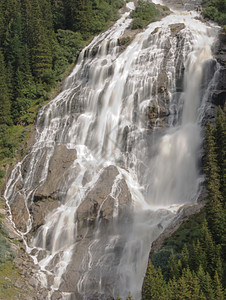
[(20, 214), (182, 216), (39, 211), (101, 217), (59, 163)]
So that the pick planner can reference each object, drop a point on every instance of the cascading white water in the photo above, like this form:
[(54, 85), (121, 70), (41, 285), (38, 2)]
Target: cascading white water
[(102, 112)]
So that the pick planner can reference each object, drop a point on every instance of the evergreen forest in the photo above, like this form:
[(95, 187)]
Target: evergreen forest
[(39, 43)]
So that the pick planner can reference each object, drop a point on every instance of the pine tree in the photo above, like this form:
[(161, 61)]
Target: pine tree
[(208, 289), (205, 283), (38, 42), (174, 270), (214, 207), (185, 257), (193, 285), (154, 285), (2, 24), (219, 292), (219, 134), (146, 289), (5, 117), (208, 245)]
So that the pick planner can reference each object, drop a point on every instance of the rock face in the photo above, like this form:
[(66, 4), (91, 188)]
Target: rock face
[(217, 95), (182, 216), (183, 4), (59, 163), (24, 277), (158, 111), (20, 212), (105, 210), (40, 209), (176, 28)]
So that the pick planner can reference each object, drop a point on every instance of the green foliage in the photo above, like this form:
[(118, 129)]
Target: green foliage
[(220, 136), (68, 47), (2, 173), (144, 14), (215, 10), (125, 40), (5, 117), (214, 208), (39, 42)]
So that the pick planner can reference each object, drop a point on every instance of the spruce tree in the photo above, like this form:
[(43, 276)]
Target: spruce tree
[(219, 291), (214, 209), (208, 245), (5, 116), (154, 285), (220, 136), (174, 270)]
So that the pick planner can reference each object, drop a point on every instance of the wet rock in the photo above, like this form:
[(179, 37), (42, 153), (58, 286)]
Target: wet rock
[(219, 97), (176, 28), (56, 296), (11, 232), (41, 255), (28, 166), (60, 162), (19, 212), (220, 49), (104, 203), (88, 210), (182, 216), (162, 82), (39, 211), (33, 282), (155, 112)]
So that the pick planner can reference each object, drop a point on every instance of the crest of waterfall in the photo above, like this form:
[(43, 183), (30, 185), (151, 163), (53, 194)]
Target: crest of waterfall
[(133, 118)]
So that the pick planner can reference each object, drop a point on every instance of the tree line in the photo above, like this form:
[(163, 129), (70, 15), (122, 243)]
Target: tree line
[(39, 41), (194, 268)]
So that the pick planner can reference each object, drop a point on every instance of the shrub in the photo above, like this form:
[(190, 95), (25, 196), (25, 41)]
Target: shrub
[(144, 14)]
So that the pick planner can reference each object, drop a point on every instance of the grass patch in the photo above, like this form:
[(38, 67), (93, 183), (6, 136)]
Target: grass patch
[(8, 276)]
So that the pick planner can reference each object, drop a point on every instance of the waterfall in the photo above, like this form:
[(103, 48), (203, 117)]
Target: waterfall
[(130, 124)]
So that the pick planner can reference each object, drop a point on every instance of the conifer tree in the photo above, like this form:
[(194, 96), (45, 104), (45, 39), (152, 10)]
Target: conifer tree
[(205, 283), (2, 24), (208, 288), (220, 138), (5, 116), (219, 292), (174, 270), (207, 243), (184, 257), (214, 207), (154, 284)]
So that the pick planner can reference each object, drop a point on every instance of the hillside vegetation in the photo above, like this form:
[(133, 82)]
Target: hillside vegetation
[(215, 10), (39, 42)]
